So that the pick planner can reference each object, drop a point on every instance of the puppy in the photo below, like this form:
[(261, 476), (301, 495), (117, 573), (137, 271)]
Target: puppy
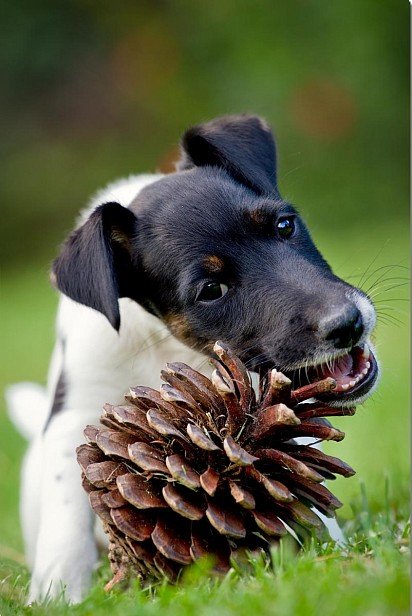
[(159, 268)]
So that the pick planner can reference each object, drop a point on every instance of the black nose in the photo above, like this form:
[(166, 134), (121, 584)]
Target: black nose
[(345, 329)]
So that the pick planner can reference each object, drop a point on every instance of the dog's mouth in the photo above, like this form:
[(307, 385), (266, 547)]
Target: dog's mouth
[(355, 374)]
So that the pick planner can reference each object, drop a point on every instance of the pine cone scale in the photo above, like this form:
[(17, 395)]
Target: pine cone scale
[(269, 523), (182, 472), (242, 497), (199, 438), (139, 492), (173, 546), (209, 480), (236, 454), (183, 503), (104, 474), (147, 458), (114, 443), (132, 523), (113, 499), (285, 460), (226, 522)]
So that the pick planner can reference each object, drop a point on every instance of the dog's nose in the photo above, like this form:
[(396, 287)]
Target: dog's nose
[(345, 329)]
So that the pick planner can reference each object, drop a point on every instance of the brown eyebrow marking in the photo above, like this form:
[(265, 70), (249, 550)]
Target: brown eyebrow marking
[(213, 263), (259, 216)]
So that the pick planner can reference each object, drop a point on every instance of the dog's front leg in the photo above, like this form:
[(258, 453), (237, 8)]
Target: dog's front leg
[(65, 549), (332, 525)]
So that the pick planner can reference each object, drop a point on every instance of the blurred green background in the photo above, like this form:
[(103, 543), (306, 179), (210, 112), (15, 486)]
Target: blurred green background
[(94, 91)]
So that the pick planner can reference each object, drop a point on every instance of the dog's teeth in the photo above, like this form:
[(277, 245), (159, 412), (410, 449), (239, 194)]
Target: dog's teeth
[(368, 365), (352, 383), (345, 387), (366, 351), (365, 371)]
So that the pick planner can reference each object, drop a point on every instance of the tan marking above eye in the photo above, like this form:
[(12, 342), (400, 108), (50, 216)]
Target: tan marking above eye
[(258, 217), (213, 263)]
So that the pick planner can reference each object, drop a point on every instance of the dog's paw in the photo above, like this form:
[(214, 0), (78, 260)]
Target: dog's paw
[(334, 530), (69, 581)]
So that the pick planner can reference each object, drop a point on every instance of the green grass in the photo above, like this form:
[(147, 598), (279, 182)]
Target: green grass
[(370, 577)]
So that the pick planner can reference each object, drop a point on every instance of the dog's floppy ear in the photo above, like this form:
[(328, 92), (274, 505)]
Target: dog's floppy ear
[(243, 145), (95, 266)]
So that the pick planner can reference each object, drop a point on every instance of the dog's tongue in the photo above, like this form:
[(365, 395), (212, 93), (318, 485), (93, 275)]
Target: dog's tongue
[(341, 367), (347, 370)]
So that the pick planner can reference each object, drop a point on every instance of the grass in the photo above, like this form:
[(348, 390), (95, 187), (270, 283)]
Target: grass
[(370, 577)]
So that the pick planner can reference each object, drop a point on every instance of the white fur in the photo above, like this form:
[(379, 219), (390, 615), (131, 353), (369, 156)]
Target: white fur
[(99, 365), (365, 307), (121, 191)]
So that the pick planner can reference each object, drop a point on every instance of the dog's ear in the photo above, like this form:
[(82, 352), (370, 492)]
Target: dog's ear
[(243, 145), (95, 265)]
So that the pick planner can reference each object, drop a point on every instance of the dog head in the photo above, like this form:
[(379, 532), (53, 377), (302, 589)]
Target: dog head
[(216, 253)]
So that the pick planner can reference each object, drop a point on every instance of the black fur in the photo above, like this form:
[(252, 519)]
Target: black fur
[(223, 202), (94, 267), (242, 145), (58, 398)]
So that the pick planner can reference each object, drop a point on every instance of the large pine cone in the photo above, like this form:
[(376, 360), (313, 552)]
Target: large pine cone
[(207, 467)]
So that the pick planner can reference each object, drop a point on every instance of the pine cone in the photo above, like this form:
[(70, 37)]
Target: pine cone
[(207, 467)]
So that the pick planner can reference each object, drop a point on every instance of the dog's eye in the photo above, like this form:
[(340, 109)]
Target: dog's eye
[(211, 291), (285, 227)]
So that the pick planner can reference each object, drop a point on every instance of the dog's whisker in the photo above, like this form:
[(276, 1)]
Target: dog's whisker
[(147, 347), (137, 354), (365, 277), (389, 322), (387, 275), (381, 290), (382, 284), (306, 370), (384, 269), (382, 307), (389, 317), (253, 361)]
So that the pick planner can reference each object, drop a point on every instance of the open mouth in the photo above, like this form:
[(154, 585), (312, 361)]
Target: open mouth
[(355, 374)]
